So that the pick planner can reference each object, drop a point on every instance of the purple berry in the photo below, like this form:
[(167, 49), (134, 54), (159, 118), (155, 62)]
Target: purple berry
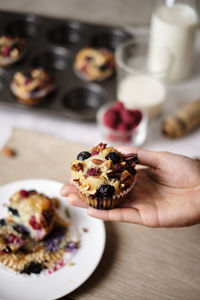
[(114, 156), (106, 191), (83, 155)]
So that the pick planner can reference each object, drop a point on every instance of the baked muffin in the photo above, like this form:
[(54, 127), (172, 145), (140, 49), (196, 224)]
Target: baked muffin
[(35, 211), (12, 236), (104, 176), (12, 49), (94, 64), (32, 86)]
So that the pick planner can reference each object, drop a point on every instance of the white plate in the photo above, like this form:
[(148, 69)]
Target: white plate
[(67, 279)]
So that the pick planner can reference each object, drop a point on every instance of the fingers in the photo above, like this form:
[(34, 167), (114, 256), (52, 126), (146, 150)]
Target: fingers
[(146, 157), (75, 200), (129, 215), (69, 191)]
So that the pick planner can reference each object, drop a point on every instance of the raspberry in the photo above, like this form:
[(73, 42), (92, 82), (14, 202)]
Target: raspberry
[(111, 137), (5, 51), (127, 138), (23, 193), (92, 172), (127, 116), (137, 115), (34, 224), (122, 127), (118, 106), (111, 118)]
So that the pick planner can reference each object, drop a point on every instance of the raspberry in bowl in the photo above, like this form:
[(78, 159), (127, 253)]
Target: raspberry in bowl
[(120, 125)]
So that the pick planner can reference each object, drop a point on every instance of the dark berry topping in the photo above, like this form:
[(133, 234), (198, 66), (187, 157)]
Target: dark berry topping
[(114, 156), (33, 267), (13, 211), (34, 224), (2, 222), (103, 67), (13, 239), (88, 58), (106, 191), (83, 155), (21, 229), (53, 240), (71, 246), (92, 172), (35, 91), (23, 193)]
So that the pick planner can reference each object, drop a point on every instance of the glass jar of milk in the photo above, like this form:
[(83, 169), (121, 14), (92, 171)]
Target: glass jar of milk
[(137, 85), (174, 24)]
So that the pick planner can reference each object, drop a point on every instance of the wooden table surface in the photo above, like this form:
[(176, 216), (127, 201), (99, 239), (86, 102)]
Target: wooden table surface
[(138, 263)]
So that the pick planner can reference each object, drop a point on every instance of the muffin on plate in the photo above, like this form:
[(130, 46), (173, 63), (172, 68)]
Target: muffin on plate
[(104, 176), (31, 87), (12, 49), (12, 236), (35, 211), (94, 64)]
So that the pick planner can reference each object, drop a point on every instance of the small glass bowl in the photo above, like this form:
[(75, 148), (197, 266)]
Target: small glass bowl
[(135, 137)]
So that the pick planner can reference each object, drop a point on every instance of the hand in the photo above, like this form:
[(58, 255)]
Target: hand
[(166, 193)]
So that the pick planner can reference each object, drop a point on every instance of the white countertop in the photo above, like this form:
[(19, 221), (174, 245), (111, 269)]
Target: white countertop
[(88, 132)]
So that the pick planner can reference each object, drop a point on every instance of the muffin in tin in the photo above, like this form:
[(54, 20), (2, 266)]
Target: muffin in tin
[(32, 86), (94, 64), (35, 211), (12, 49), (104, 176)]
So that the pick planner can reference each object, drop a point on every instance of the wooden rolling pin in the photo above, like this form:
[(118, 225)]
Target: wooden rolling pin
[(184, 121)]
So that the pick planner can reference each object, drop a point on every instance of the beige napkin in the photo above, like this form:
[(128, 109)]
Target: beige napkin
[(138, 263)]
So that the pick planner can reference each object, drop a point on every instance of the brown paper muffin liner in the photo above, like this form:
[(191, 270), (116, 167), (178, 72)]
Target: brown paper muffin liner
[(21, 259), (30, 101), (113, 202)]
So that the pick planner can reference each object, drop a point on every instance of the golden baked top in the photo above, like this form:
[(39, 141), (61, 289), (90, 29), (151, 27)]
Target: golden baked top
[(103, 171)]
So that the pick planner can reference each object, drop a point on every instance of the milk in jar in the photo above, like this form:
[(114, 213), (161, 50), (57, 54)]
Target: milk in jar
[(174, 26)]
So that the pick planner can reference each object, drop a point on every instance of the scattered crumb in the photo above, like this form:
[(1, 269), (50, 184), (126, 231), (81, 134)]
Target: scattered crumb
[(70, 264), (6, 151), (85, 229)]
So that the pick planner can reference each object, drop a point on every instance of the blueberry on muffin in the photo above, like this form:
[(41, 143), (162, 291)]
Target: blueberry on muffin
[(35, 211), (12, 49), (104, 176), (32, 86), (94, 64)]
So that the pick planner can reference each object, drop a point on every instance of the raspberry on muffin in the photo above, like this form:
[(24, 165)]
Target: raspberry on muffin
[(104, 176), (11, 49), (35, 211), (94, 64), (32, 86)]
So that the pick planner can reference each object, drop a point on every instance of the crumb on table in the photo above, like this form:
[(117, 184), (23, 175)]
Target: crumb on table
[(85, 229), (9, 152)]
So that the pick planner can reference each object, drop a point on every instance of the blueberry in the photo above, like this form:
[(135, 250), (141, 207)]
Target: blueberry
[(103, 67), (89, 58), (33, 267), (2, 222), (13, 211), (83, 155), (21, 229), (114, 156), (106, 191)]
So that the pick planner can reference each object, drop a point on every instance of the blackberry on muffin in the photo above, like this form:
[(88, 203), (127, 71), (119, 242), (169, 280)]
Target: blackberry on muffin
[(103, 176)]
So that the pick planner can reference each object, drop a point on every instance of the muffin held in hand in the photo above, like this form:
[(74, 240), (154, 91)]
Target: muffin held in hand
[(94, 64), (33, 86), (104, 176), (36, 212), (12, 49)]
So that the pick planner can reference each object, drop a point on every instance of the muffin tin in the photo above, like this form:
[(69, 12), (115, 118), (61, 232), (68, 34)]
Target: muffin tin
[(53, 43)]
